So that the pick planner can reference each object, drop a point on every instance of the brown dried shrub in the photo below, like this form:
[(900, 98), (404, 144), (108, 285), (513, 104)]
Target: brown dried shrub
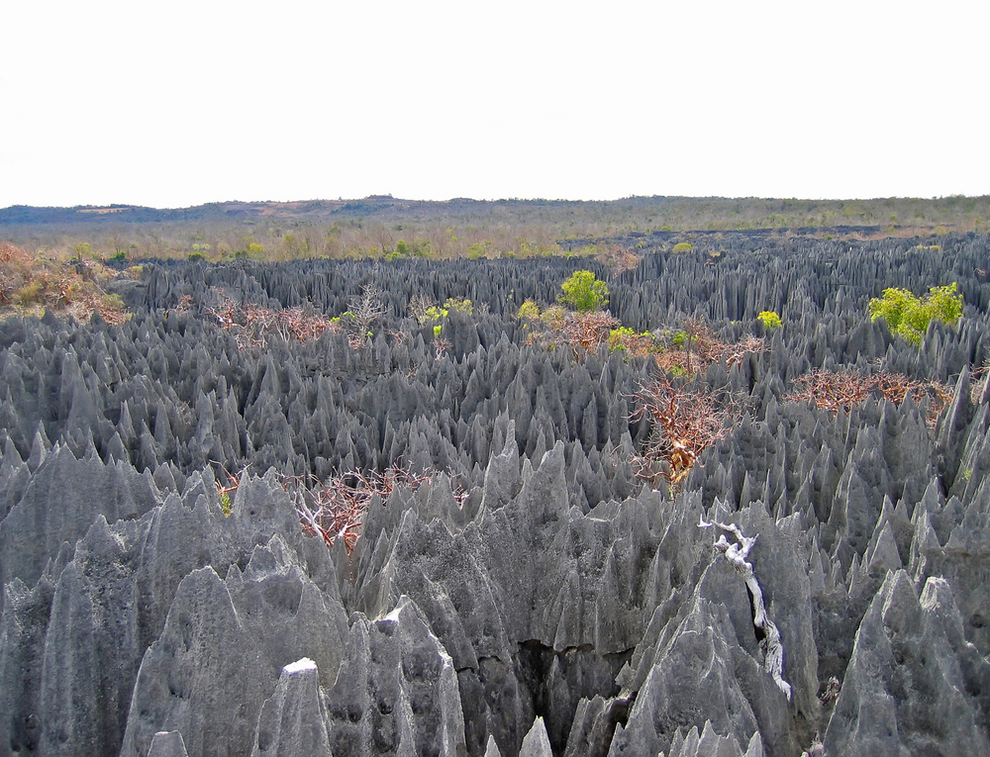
[(30, 284), (844, 390), (684, 422), (695, 347), (334, 509), (581, 332), (253, 326)]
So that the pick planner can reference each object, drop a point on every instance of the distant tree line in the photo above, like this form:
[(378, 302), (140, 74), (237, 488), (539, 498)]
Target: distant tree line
[(384, 227)]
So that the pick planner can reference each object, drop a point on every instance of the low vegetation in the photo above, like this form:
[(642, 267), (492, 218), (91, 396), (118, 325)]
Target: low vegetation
[(389, 228), (584, 292), (685, 421), (694, 347), (908, 315), (32, 284), (253, 326), (770, 320), (334, 508), (841, 391)]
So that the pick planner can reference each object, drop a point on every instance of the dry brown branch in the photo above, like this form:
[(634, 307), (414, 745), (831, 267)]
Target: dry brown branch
[(582, 332), (419, 306), (844, 390), (684, 422), (696, 347), (365, 310), (253, 325), (335, 507), (442, 347), (224, 492)]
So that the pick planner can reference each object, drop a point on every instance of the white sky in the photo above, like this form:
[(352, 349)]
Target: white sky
[(193, 101)]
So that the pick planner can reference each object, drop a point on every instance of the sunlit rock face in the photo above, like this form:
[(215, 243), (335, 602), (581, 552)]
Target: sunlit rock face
[(534, 597)]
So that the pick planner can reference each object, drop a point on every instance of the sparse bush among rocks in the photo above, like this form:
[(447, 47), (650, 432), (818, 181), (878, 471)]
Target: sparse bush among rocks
[(29, 285), (837, 391), (584, 292), (909, 316), (694, 347), (253, 326), (770, 320), (684, 422)]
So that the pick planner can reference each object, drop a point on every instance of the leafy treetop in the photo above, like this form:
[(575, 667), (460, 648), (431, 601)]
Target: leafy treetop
[(909, 316), (584, 292)]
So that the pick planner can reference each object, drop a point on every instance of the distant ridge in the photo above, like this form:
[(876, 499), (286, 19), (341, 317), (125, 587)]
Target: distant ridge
[(713, 213)]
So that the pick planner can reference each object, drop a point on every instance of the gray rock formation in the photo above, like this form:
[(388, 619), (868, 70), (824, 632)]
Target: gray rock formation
[(535, 598), (167, 744), (294, 720)]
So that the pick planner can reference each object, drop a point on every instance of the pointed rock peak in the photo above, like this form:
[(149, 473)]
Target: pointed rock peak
[(402, 610), (167, 744), (544, 492), (11, 457), (293, 721), (491, 749), (203, 587), (937, 597), (40, 447), (264, 561), (100, 538), (882, 554), (537, 742), (299, 667), (502, 479), (755, 748), (164, 478), (901, 609)]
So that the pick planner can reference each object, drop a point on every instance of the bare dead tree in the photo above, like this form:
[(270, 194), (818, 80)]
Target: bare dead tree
[(765, 629), (684, 423), (365, 309)]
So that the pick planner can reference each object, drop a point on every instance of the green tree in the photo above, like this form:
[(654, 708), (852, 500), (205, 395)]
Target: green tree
[(909, 316), (584, 293)]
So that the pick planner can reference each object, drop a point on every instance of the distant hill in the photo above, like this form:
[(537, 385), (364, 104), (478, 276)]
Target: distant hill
[(222, 211), (642, 213)]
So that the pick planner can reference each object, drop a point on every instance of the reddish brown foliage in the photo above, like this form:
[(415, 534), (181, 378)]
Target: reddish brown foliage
[(253, 325), (582, 332), (698, 347), (684, 423), (843, 390), (335, 508), (619, 259)]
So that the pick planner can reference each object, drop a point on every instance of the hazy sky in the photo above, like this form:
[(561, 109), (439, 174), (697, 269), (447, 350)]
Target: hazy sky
[(181, 103)]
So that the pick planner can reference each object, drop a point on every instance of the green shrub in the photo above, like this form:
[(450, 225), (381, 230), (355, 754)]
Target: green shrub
[(528, 311), (461, 306), (584, 293), (682, 247), (770, 320), (909, 316), (426, 312), (624, 339)]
